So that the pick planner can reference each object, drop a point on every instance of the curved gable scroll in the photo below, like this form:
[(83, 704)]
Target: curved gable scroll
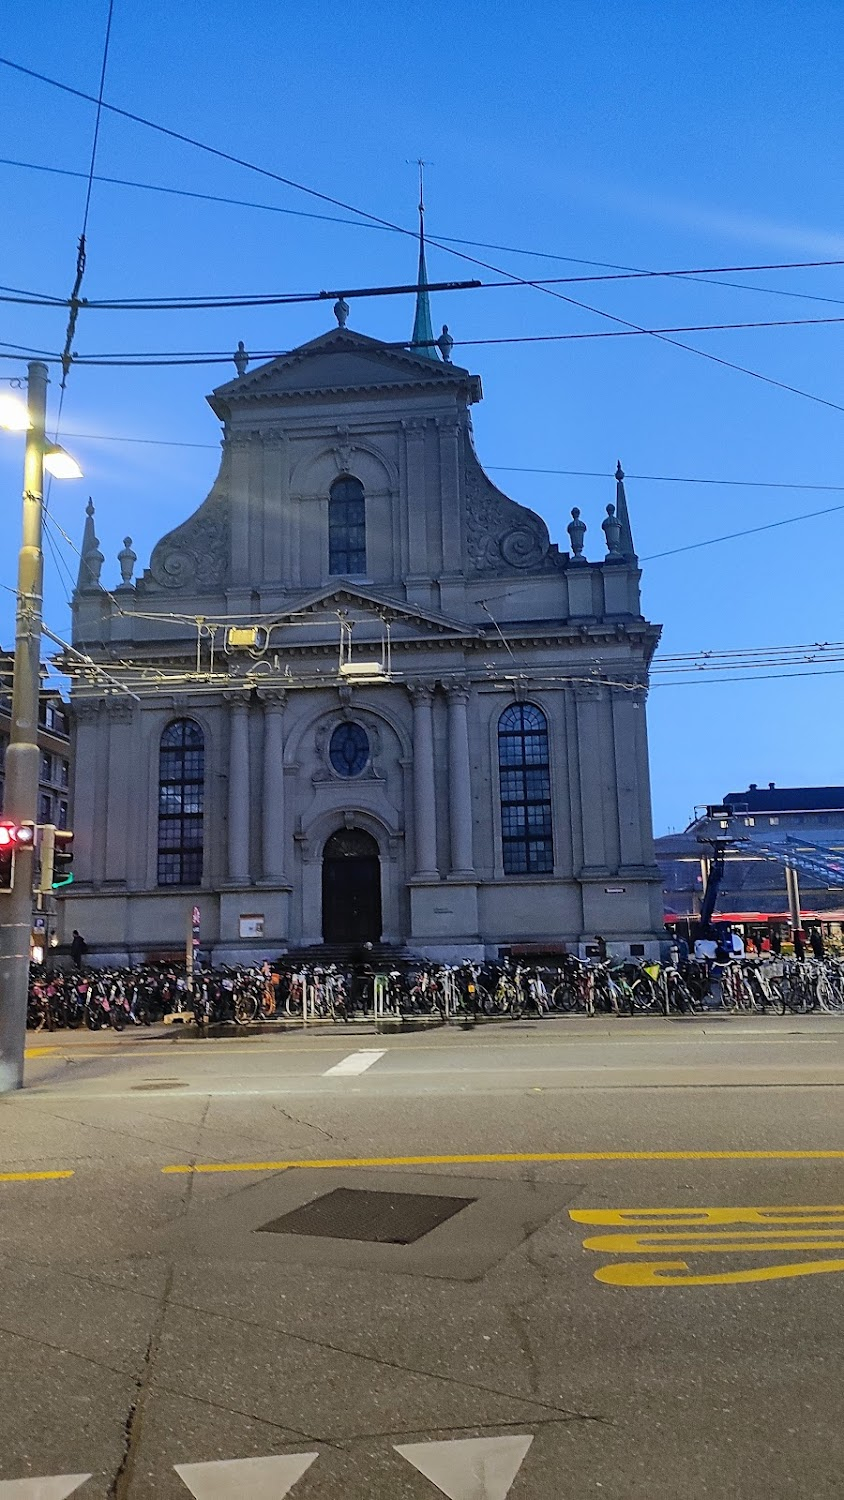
[(501, 533), (196, 554)]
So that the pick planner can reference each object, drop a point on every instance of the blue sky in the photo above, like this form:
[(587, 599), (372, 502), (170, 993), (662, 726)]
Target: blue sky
[(644, 135)]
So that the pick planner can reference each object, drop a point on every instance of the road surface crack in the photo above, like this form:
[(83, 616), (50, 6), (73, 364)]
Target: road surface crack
[(120, 1486), (308, 1124)]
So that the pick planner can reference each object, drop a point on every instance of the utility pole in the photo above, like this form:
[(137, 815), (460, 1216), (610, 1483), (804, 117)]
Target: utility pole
[(792, 886), (22, 754)]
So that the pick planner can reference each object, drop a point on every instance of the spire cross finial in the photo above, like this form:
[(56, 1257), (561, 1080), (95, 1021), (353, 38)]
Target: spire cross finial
[(422, 164), (422, 340)]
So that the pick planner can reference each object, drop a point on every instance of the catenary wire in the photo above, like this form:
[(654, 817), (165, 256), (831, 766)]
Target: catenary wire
[(702, 274), (377, 219)]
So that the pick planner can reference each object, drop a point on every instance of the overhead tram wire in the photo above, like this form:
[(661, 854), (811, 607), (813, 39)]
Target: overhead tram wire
[(141, 358), (411, 233), (212, 301), (81, 253), (704, 275)]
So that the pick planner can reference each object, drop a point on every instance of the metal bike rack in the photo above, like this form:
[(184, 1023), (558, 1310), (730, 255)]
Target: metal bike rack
[(380, 993)]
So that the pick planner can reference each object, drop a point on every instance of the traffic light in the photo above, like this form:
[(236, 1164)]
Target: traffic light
[(13, 836), (62, 858)]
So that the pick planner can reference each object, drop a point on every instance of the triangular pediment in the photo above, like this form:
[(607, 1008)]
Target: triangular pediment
[(362, 605), (340, 362)]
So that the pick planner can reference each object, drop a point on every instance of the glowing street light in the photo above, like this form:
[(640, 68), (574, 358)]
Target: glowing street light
[(14, 416), (60, 463)]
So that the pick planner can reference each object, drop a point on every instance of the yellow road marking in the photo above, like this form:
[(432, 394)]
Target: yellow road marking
[(41, 1051), (705, 1241), (680, 1218), (504, 1157), (663, 1273), (693, 1231), (32, 1176)]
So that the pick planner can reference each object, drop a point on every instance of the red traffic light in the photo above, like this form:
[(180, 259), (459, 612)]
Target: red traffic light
[(16, 835)]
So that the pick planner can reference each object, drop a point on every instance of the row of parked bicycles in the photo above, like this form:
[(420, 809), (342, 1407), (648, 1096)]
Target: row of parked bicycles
[(122, 998)]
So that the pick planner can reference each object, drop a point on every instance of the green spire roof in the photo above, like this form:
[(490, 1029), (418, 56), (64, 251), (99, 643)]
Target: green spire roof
[(423, 328)]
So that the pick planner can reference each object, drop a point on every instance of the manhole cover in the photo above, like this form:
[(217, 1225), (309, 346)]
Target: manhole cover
[(358, 1214), (139, 1088)]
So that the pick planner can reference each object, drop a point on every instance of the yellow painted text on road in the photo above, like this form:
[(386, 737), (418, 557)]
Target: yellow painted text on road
[(667, 1273), (751, 1230)]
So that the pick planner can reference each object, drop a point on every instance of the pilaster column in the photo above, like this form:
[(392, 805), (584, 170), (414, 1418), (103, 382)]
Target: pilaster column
[(424, 783), (459, 782), (120, 756), (625, 709), (239, 789), (273, 825), (588, 701)]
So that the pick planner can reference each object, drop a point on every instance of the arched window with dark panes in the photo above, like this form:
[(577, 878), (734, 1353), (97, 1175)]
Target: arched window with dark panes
[(346, 527), (525, 787), (181, 803)]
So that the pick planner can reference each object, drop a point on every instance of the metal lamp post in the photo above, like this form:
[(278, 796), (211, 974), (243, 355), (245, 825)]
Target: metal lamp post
[(22, 754)]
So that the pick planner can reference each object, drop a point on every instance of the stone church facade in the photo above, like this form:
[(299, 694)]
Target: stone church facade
[(368, 698)]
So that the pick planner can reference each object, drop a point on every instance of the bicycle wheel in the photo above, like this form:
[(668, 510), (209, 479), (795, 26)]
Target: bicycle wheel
[(245, 1007), (565, 997)]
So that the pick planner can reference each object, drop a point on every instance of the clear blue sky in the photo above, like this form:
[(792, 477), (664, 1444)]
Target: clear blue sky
[(652, 136)]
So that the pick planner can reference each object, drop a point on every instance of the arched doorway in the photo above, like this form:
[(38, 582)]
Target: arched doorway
[(351, 888)]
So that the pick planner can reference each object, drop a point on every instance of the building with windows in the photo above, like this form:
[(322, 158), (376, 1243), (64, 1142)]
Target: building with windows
[(373, 702), (53, 743), (806, 821)]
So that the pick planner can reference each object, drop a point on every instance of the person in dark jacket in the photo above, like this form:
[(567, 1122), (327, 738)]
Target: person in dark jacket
[(78, 947), (816, 942)]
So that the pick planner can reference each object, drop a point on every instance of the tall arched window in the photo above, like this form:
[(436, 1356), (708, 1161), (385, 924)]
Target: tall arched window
[(346, 527), (181, 801), (525, 785)]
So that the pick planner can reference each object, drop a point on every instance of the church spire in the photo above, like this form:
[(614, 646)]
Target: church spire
[(422, 339), (626, 539)]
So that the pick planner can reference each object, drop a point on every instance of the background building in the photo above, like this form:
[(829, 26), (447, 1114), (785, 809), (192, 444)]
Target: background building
[(53, 742), (808, 821), (373, 701)]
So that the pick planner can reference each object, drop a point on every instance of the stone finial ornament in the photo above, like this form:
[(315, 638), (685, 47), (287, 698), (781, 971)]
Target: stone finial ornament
[(445, 344), (127, 559), (241, 358), (611, 528), (92, 560), (577, 531), (341, 312)]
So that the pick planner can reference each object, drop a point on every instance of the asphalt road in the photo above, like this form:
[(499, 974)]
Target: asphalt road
[(633, 1287)]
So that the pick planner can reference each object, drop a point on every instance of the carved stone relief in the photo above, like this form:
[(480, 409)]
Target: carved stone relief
[(196, 554), (501, 533)]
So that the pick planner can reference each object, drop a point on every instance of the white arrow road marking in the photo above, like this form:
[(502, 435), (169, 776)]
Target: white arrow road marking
[(56, 1487), (356, 1062), (470, 1468), (255, 1478)]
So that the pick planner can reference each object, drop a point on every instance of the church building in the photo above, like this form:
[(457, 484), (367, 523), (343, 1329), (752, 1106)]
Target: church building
[(359, 695)]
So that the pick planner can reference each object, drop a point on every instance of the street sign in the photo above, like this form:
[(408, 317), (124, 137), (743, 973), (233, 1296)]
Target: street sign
[(244, 1478), (192, 944), (469, 1468), (55, 1488)]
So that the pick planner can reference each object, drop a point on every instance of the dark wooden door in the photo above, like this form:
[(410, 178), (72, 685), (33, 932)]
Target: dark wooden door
[(351, 888)]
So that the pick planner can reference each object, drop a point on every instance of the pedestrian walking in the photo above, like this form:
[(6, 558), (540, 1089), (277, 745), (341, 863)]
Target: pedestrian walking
[(78, 948), (816, 942)]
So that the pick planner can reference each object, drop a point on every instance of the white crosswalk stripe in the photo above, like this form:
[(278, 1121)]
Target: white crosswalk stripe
[(469, 1468), (249, 1478), (356, 1062), (52, 1487)]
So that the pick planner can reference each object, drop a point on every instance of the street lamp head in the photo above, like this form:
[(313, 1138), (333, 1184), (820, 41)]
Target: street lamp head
[(60, 463), (14, 416)]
